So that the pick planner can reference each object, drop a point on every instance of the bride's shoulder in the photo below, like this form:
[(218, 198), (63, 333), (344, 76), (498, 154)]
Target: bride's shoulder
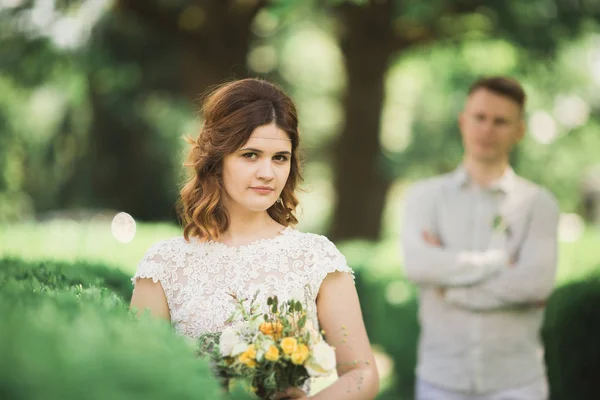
[(171, 248), (323, 254), (311, 239), (163, 258), (320, 243), (167, 245)]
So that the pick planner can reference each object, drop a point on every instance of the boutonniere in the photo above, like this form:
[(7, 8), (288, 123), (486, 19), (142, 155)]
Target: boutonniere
[(499, 225)]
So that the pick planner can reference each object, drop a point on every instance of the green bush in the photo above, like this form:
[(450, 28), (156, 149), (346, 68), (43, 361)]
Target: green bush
[(56, 275), (572, 338), (65, 332), (395, 328), (83, 344)]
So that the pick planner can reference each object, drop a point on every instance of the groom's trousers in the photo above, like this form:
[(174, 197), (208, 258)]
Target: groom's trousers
[(537, 390)]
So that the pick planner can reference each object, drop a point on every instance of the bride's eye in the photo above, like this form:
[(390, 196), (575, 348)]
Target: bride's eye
[(251, 156), (280, 158)]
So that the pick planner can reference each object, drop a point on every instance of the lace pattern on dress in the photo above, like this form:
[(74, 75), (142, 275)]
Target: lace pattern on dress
[(197, 277)]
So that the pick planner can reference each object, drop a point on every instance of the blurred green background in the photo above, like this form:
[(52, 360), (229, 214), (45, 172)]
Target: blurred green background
[(96, 96)]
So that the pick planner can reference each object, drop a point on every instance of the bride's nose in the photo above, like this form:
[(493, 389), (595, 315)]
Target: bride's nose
[(265, 170)]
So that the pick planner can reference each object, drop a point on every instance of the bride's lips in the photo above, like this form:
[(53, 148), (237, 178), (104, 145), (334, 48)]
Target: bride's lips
[(262, 189)]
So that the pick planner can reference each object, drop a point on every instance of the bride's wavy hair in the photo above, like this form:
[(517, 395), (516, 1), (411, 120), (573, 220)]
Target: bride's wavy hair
[(230, 113)]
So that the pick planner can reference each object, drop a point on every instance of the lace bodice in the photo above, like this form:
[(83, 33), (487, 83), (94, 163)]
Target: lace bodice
[(197, 277)]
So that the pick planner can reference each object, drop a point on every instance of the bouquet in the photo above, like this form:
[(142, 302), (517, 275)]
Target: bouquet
[(269, 352)]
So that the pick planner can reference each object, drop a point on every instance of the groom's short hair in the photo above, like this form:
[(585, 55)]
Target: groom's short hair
[(502, 86)]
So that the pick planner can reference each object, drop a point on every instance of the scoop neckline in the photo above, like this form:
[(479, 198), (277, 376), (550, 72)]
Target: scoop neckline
[(282, 233)]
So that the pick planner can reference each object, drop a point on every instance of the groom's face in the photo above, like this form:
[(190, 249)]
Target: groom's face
[(491, 125)]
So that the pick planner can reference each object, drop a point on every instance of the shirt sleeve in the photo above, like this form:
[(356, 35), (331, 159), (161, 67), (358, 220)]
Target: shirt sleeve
[(530, 280), (426, 264)]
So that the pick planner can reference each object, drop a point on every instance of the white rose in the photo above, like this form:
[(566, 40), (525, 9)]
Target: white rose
[(322, 361), (263, 348), (243, 328), (255, 323), (228, 340), (239, 348), (266, 344)]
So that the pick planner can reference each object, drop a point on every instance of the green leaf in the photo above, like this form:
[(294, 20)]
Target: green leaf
[(302, 321), (497, 221), (270, 381)]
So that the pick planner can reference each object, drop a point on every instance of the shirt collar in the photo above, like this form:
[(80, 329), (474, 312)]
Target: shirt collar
[(505, 183)]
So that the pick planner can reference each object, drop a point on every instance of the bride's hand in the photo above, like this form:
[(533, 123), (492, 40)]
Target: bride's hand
[(291, 394)]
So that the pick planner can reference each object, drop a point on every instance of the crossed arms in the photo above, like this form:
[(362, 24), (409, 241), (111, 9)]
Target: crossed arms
[(482, 280)]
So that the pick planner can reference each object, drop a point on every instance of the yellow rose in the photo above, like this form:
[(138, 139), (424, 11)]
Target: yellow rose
[(272, 329), (300, 355), (251, 351), (247, 360), (288, 345), (272, 354)]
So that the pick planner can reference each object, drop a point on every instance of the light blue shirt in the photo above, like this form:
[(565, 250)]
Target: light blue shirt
[(480, 292)]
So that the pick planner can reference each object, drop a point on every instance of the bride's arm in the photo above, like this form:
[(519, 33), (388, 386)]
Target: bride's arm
[(340, 317), (149, 295)]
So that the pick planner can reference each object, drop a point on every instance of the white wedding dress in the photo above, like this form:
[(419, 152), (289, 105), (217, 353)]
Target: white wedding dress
[(198, 277)]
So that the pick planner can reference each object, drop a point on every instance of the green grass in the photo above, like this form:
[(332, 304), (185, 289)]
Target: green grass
[(579, 259), (91, 242)]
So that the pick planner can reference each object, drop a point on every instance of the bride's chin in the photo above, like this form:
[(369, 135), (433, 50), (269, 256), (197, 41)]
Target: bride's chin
[(253, 206), (260, 206)]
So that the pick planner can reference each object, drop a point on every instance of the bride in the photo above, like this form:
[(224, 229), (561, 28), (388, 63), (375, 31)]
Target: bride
[(238, 209)]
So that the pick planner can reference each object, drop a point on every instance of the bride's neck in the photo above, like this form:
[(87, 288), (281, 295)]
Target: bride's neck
[(245, 227)]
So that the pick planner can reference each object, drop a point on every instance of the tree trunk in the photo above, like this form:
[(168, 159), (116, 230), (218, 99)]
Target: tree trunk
[(361, 182), (129, 166)]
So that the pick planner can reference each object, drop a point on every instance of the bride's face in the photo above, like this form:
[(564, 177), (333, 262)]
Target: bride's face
[(255, 175)]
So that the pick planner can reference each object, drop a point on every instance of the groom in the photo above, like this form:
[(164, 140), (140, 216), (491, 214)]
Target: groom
[(481, 244)]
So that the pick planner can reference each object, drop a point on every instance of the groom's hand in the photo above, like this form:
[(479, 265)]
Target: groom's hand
[(436, 242), (431, 239), (291, 394)]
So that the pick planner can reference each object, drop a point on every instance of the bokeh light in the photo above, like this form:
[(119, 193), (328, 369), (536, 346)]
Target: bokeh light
[(570, 227), (571, 111), (543, 127), (398, 292), (123, 227)]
